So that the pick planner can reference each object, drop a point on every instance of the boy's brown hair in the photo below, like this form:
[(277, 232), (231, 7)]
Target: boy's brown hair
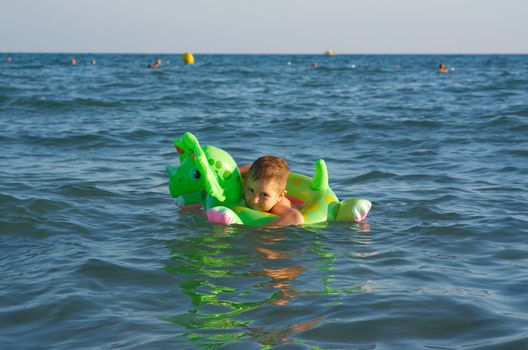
[(270, 168)]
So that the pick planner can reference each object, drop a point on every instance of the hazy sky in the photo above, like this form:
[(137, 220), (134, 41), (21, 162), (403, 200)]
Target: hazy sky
[(265, 26)]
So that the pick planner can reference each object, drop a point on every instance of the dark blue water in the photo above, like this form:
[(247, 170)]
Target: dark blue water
[(94, 253)]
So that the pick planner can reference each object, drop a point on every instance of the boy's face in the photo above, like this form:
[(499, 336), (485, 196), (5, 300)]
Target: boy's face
[(262, 195)]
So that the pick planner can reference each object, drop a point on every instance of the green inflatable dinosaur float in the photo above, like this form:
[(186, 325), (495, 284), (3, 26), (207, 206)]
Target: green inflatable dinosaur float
[(209, 177)]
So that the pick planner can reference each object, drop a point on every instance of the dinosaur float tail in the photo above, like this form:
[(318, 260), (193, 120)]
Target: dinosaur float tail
[(353, 209)]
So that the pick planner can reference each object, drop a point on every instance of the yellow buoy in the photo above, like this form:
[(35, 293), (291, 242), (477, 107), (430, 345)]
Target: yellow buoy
[(188, 58)]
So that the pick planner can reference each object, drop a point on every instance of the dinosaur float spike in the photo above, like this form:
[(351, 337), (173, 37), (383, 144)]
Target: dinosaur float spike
[(320, 179)]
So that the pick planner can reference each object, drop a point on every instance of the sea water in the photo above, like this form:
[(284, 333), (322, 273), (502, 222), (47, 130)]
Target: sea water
[(95, 254)]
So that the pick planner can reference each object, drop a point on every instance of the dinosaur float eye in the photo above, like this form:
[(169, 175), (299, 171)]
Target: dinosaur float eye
[(195, 174)]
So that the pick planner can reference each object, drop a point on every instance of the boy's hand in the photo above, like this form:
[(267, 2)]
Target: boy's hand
[(287, 214)]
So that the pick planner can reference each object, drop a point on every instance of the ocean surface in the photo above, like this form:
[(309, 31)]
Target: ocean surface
[(95, 254)]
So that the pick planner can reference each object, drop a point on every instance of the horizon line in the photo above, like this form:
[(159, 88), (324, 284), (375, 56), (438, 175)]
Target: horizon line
[(262, 53)]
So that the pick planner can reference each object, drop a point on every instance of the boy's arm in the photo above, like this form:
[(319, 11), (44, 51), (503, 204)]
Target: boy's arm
[(287, 215)]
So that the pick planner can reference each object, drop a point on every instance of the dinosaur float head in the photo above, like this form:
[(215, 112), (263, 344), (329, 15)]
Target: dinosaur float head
[(206, 168)]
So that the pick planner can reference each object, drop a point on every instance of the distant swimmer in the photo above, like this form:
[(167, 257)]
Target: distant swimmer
[(442, 68), (93, 61), (73, 61), (155, 65), (314, 65)]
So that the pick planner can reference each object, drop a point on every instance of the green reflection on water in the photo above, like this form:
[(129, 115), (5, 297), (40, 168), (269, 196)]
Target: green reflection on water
[(223, 287)]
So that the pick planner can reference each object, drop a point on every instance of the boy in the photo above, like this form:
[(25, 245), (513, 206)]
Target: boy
[(264, 186)]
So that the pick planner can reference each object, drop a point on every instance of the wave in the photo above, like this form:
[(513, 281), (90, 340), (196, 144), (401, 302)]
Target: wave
[(63, 104), (83, 191), (371, 175), (81, 140)]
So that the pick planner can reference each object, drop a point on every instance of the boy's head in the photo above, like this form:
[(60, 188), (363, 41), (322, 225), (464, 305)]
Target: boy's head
[(266, 183)]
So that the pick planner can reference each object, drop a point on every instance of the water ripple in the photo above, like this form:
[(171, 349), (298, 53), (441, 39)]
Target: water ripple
[(92, 246)]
